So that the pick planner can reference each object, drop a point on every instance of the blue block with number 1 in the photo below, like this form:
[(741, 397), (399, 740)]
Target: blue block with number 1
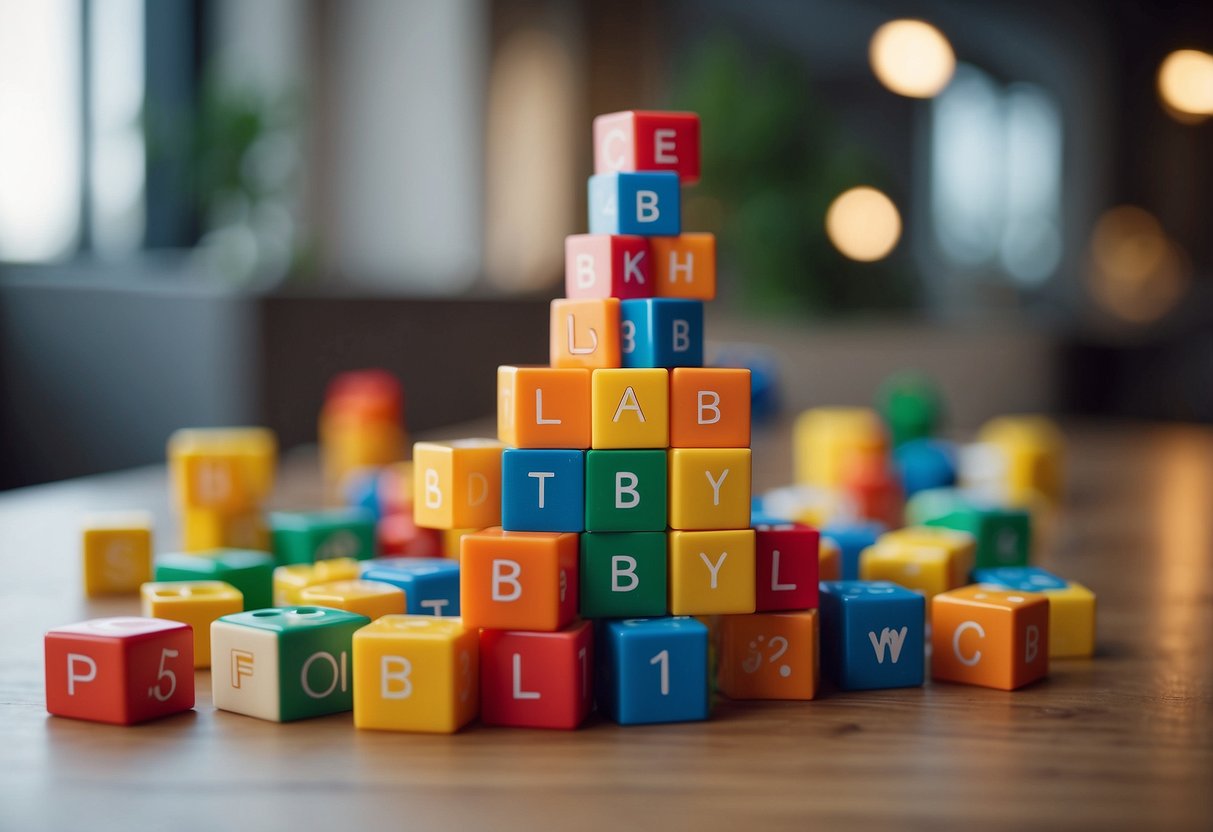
[(646, 203), (653, 670), (872, 635), (661, 332), (542, 490)]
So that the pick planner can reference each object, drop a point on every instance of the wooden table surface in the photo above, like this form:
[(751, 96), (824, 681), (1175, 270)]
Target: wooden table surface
[(1123, 740)]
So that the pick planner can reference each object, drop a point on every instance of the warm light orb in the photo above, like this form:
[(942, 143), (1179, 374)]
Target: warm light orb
[(863, 224), (1185, 82), (1137, 272), (912, 58)]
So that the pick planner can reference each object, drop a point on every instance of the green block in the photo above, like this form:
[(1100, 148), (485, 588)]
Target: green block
[(625, 491), (314, 657), (933, 503), (1004, 535), (306, 537), (911, 405), (250, 572), (623, 574)]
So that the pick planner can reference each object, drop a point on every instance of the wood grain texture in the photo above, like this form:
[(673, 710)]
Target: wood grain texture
[(1124, 740)]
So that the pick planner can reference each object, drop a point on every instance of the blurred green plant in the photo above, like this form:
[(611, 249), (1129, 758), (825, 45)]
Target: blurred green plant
[(773, 161)]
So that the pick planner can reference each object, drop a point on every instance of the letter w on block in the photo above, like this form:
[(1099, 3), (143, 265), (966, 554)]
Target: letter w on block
[(893, 639)]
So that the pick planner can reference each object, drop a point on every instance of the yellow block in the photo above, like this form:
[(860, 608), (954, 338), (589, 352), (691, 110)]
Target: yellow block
[(116, 552), (457, 484), (416, 673), (451, 538), (196, 603), (826, 438), (711, 572), (630, 408), (709, 488), (960, 547), (1034, 451), (204, 529), (923, 569), (228, 469), (349, 444), (290, 581), (374, 599), (1071, 621)]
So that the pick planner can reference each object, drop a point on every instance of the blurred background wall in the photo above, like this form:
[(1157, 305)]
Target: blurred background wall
[(207, 207)]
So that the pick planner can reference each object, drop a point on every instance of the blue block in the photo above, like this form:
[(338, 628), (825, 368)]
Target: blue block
[(862, 624), (542, 490), (361, 490), (661, 332), (431, 585), (924, 464), (648, 203), (852, 538), (1022, 578), (765, 395), (653, 670)]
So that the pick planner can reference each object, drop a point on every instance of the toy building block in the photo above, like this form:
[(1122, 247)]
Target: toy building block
[(630, 408), (709, 488), (119, 670), (653, 670), (765, 392), (1034, 451), (451, 540), (876, 489), (250, 572), (457, 484), (768, 656), (196, 603), (607, 266), (810, 504), (398, 535), (518, 580), (283, 663), (871, 635), (648, 203), (826, 439), (290, 581), (912, 407), (361, 423), (203, 529), (116, 552), (309, 536), (926, 558), (430, 585), (584, 333), (852, 538), (635, 140), (924, 464), (786, 560), (543, 407), (623, 575), (226, 469), (829, 560), (709, 407), (537, 680), (374, 599), (711, 572), (684, 266), (1071, 606), (416, 673), (988, 637), (1003, 534), (625, 491), (542, 490), (661, 332)]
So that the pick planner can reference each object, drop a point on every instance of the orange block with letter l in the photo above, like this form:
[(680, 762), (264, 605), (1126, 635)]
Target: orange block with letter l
[(518, 580), (543, 407), (584, 332), (982, 636)]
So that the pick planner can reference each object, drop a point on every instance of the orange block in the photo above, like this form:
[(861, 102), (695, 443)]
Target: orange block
[(457, 484), (988, 637), (829, 560), (518, 580), (768, 656), (684, 266), (543, 407), (709, 407), (584, 332)]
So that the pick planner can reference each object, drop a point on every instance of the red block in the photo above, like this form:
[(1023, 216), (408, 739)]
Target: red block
[(786, 564), (607, 266), (870, 481), (120, 670), (646, 140), (536, 680), (399, 536), (370, 393)]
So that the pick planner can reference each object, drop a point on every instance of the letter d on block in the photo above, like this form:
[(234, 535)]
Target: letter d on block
[(506, 572)]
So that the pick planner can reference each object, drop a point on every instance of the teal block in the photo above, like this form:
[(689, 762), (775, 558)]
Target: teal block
[(250, 572), (625, 491), (309, 536), (1004, 535), (623, 574)]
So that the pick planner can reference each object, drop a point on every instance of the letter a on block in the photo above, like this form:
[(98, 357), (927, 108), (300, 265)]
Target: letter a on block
[(628, 402)]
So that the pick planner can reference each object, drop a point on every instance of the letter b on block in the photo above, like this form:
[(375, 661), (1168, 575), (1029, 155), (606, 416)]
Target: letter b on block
[(648, 204), (457, 484), (518, 580)]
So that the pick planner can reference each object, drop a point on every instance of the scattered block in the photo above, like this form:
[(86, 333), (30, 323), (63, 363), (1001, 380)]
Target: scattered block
[(630, 408), (684, 266), (648, 140), (518, 580), (116, 552), (711, 572), (768, 656), (623, 575), (203, 529), (872, 635), (875, 488), (829, 560), (250, 572), (283, 663), (1071, 606), (924, 558), (119, 670), (290, 581), (542, 490), (196, 603), (852, 538), (584, 333), (430, 585), (1003, 534), (709, 488), (374, 599), (989, 637), (309, 536), (607, 266), (653, 670), (543, 407), (786, 559), (924, 464), (827, 439), (536, 680), (1034, 452), (226, 469), (457, 484), (625, 491), (648, 203), (661, 332), (709, 407), (416, 673)]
